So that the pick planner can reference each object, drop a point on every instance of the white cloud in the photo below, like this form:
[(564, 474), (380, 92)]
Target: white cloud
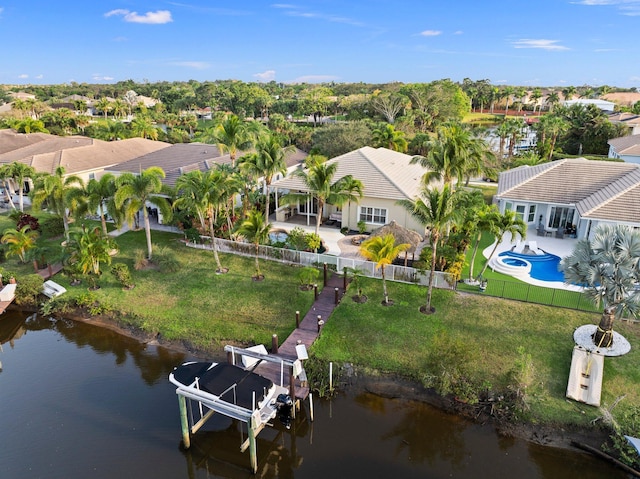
[(23, 76), (629, 8), (431, 33), (40, 77), (1, 10), (98, 77), (458, 32), (157, 18), (265, 76), (193, 64), (539, 43)]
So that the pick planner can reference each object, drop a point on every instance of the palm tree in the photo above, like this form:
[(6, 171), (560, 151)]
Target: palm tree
[(507, 91), (382, 250), (143, 127), (318, 179), (203, 194), (135, 191), (111, 130), (53, 191), (19, 172), (269, 160), (454, 154), (535, 96), (552, 126), (256, 230), (553, 99), (5, 175), (119, 108), (19, 241), (88, 249), (434, 209), (103, 105), (388, 137), (568, 92), (486, 218), (609, 268), (507, 222), (97, 196), (231, 135)]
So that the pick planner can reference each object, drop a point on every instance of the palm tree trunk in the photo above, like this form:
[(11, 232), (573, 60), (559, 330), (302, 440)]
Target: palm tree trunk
[(103, 220), (65, 223), (257, 261), (489, 258), (147, 230), (603, 337), (473, 255), (7, 192), (384, 286), (434, 246), (21, 196), (266, 202), (212, 232)]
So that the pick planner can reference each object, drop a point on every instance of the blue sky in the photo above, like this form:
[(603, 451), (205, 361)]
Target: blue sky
[(534, 42)]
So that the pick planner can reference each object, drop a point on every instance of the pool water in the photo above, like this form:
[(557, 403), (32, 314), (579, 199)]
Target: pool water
[(544, 267)]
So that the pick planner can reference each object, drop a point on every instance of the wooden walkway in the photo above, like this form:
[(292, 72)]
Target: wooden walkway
[(49, 271), (306, 334)]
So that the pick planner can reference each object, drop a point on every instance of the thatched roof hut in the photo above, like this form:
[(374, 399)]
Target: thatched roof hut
[(402, 236)]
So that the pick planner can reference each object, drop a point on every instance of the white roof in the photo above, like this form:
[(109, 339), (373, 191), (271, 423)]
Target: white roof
[(602, 104), (384, 173)]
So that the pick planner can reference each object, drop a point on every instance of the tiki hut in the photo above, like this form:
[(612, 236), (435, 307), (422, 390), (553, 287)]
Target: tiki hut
[(402, 235)]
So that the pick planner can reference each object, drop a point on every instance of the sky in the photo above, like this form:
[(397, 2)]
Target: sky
[(515, 42)]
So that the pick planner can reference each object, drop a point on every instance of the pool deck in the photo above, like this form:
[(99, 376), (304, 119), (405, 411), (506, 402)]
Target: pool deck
[(561, 247)]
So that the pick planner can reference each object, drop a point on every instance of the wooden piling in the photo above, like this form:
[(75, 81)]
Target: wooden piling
[(184, 423), (274, 344), (253, 453), (297, 319), (336, 296), (325, 274), (345, 278), (311, 406), (320, 323), (315, 292)]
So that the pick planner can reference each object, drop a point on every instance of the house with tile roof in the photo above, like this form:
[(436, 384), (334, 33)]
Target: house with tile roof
[(572, 192), (387, 176), (626, 148), (81, 156), (630, 120)]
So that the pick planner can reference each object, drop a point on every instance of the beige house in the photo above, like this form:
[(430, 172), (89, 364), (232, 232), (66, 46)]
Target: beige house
[(387, 176), (81, 156)]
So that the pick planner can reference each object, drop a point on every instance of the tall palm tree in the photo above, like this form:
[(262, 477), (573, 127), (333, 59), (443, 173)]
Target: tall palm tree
[(19, 241), (551, 127), (268, 161), (388, 137), (569, 92), (436, 210), (231, 135), (135, 191), (486, 219), (143, 127), (203, 194), (256, 230), (609, 268), (553, 99), (382, 250), (318, 179), (97, 196), (454, 154), (5, 176), (19, 172), (507, 222), (103, 105), (53, 191)]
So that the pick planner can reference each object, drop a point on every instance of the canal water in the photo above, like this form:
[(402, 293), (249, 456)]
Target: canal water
[(78, 401)]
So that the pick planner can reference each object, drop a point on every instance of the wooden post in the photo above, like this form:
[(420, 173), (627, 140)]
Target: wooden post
[(320, 322), (274, 344), (325, 274), (252, 445), (344, 278), (297, 319), (311, 405), (229, 357), (182, 401), (292, 392), (337, 295), (315, 292)]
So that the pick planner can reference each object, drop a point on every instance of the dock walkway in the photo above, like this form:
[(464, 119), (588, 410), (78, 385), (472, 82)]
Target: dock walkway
[(306, 334)]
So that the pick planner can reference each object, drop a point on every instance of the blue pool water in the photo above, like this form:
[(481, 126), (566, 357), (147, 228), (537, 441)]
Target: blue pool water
[(544, 267)]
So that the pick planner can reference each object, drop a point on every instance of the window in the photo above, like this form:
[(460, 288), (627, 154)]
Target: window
[(561, 217), (92, 176), (520, 209), (373, 215), (532, 214)]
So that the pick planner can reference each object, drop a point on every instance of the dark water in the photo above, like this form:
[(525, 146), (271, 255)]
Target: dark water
[(77, 401)]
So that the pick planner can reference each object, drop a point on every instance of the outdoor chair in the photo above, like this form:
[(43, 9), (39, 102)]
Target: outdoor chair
[(560, 233), (541, 231)]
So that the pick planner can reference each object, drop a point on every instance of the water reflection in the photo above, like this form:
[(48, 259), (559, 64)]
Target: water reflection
[(79, 401)]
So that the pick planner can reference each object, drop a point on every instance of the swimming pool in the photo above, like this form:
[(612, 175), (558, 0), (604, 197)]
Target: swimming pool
[(544, 267)]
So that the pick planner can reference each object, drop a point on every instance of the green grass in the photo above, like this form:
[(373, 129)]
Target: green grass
[(398, 339)]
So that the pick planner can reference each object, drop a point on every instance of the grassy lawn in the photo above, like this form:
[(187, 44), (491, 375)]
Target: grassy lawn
[(399, 339)]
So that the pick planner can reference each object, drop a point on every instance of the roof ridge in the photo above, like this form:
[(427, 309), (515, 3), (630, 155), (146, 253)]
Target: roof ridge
[(633, 183), (542, 168), (382, 172)]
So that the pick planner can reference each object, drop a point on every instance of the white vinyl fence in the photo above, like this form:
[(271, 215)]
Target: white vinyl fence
[(337, 263)]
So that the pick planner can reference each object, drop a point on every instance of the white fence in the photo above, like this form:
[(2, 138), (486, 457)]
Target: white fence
[(337, 263)]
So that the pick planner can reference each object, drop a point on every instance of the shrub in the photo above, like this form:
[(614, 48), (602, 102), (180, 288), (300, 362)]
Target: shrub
[(29, 289), (192, 234), (166, 259), (122, 274), (296, 239), (308, 275), (626, 423), (52, 227), (140, 260), (59, 305), (28, 220), (362, 227)]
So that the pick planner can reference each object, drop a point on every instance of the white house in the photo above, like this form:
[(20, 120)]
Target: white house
[(573, 192), (626, 148)]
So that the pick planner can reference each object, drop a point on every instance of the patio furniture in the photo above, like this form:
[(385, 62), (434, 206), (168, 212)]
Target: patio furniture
[(560, 233)]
